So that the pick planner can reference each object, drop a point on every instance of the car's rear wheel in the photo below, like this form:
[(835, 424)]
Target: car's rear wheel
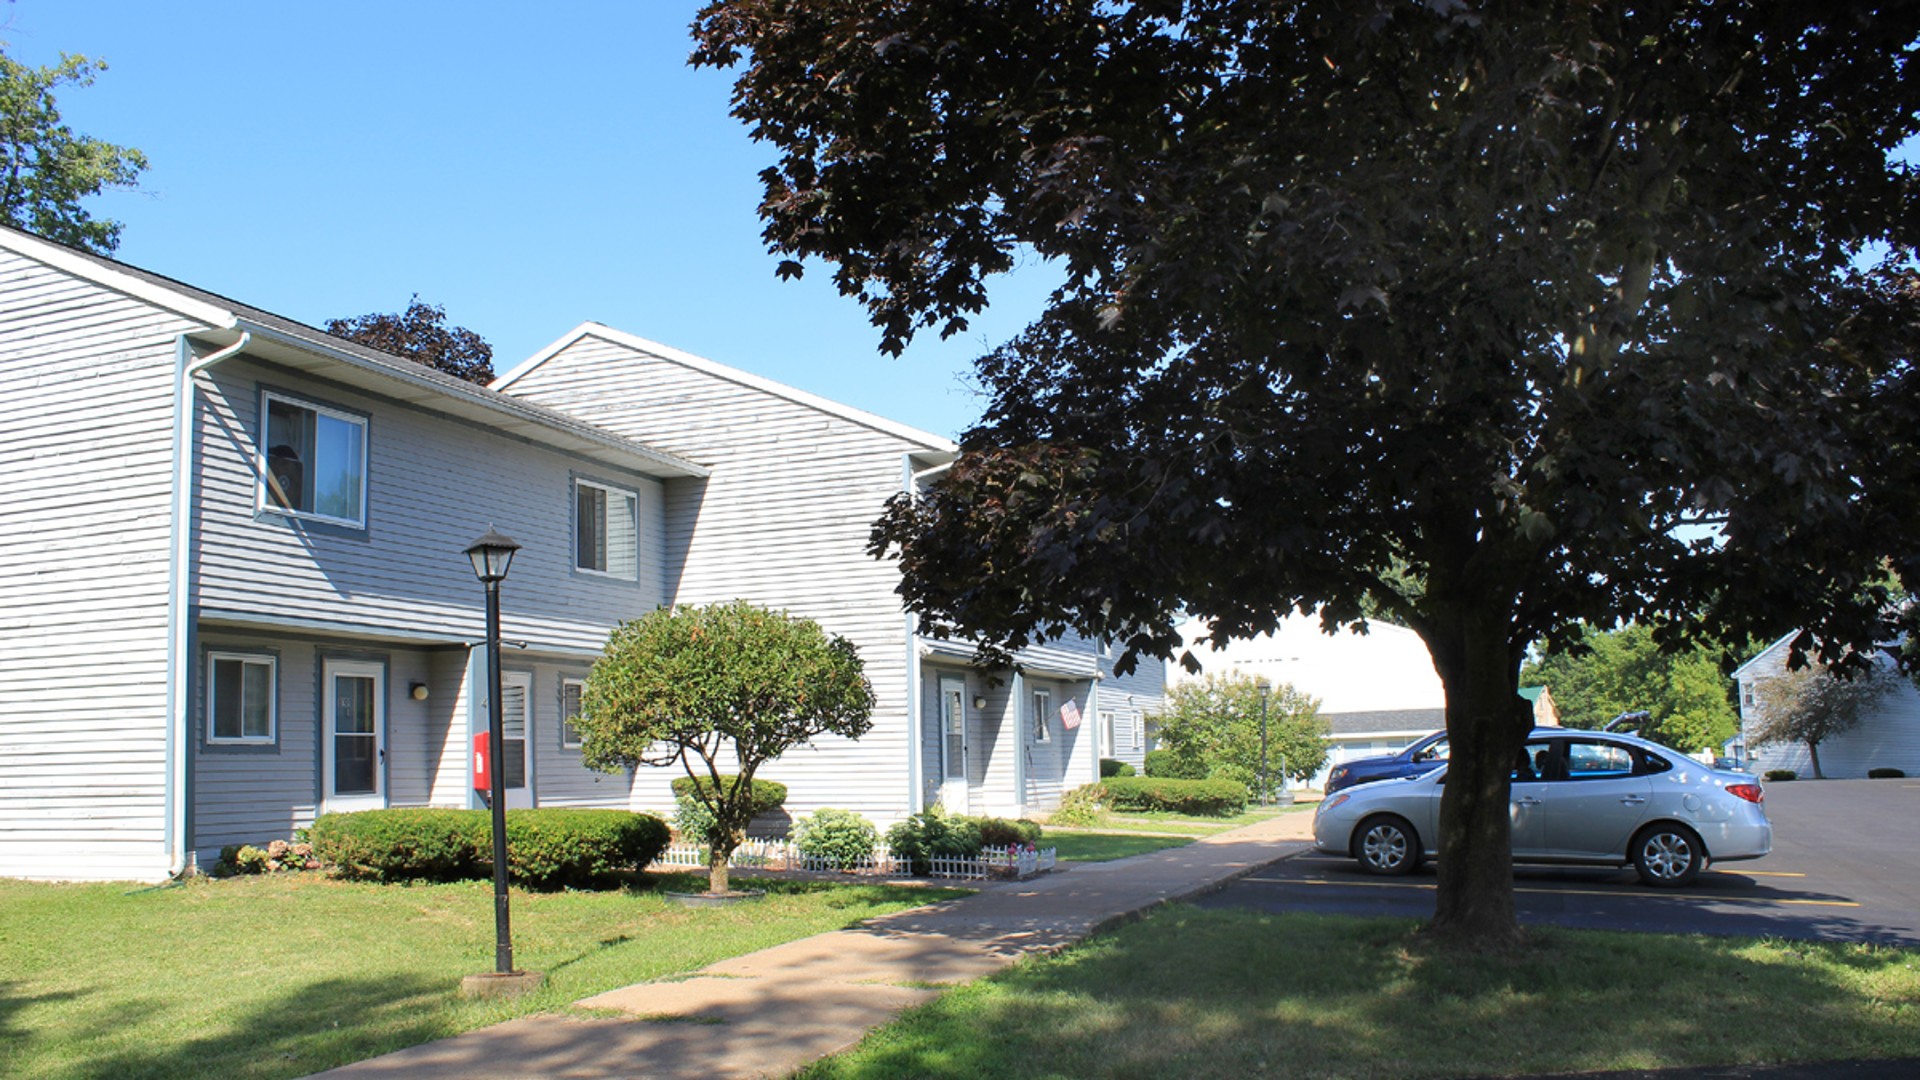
[(1386, 845), (1668, 855)]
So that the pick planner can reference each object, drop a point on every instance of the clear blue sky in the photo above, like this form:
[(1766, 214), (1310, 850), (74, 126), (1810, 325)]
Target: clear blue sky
[(526, 166)]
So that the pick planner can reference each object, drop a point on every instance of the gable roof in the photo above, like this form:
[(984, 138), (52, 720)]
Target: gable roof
[(304, 348), (1763, 654), (926, 439)]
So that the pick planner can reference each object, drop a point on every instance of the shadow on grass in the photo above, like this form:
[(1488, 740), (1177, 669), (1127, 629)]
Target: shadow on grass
[(320, 1025), (1225, 994)]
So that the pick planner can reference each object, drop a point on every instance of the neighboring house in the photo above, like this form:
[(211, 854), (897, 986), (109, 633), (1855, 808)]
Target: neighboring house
[(1378, 691), (1888, 737), (233, 594), (1545, 712), (783, 520)]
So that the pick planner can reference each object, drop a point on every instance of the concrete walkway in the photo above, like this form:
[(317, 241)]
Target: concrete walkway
[(768, 1013)]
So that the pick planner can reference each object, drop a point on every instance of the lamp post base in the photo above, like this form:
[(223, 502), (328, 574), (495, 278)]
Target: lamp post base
[(494, 984)]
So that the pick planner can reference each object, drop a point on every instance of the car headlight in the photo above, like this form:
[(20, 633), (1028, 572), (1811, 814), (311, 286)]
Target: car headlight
[(1330, 803)]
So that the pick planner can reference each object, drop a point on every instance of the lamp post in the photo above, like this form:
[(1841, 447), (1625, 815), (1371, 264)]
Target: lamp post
[(491, 555), (1265, 688)]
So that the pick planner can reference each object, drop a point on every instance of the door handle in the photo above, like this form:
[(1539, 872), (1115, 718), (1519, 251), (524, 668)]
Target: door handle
[(1528, 801), (1633, 800)]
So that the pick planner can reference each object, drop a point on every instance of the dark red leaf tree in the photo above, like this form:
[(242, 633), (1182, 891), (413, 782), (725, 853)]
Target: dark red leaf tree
[(420, 333), (1490, 316)]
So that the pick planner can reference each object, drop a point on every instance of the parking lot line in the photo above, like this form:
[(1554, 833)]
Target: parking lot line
[(1760, 873), (1565, 892)]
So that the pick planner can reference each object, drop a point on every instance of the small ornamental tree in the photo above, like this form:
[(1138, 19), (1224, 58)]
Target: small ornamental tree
[(1215, 721), (1812, 705), (721, 690)]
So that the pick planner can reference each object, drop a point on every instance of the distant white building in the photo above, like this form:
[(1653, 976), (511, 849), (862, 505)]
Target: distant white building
[(1888, 737)]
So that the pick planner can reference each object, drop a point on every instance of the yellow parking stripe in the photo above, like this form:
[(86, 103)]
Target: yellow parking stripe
[(1760, 873), (1564, 892)]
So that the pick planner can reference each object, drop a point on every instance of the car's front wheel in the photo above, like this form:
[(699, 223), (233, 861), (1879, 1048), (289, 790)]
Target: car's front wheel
[(1386, 845), (1668, 855)]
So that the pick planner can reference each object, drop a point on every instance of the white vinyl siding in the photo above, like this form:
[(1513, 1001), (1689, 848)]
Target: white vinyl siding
[(242, 692), (313, 461), (605, 530), (86, 433)]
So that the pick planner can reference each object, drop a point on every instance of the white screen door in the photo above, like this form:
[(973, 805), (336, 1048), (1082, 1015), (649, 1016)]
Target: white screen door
[(953, 745), (516, 731), (354, 745)]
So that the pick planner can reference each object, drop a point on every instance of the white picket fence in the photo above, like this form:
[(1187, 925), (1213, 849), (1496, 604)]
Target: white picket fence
[(993, 862)]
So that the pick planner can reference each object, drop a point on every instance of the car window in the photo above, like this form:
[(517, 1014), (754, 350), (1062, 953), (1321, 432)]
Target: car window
[(1435, 753), (1649, 764), (1532, 762), (1597, 760)]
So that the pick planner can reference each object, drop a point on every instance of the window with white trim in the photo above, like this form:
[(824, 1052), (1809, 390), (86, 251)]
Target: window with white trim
[(314, 461), (571, 692), (1042, 705), (605, 530), (1747, 699), (240, 698)]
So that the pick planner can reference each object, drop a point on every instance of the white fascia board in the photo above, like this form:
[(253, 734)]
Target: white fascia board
[(63, 259), (1763, 654), (718, 370), (654, 461)]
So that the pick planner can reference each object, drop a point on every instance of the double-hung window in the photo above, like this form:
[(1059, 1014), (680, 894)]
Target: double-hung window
[(315, 461), (605, 530), (571, 691), (240, 698), (1042, 711)]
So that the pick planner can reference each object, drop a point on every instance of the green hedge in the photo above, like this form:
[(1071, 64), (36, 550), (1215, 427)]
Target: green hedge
[(1115, 767), (1781, 774), (1004, 832), (932, 832), (768, 795), (1167, 765), (1212, 798), (1885, 772), (546, 848)]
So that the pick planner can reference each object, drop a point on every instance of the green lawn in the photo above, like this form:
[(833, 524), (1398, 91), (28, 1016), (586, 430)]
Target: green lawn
[(1185, 825), (285, 975), (1194, 993), (1104, 847)]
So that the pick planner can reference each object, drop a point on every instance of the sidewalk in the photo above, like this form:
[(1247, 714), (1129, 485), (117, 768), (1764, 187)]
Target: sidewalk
[(768, 1013)]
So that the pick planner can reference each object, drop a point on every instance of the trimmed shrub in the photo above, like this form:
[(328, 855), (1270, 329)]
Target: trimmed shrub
[(557, 847), (1114, 767), (546, 848), (1781, 774), (1166, 764), (1081, 806), (841, 837), (768, 795), (1001, 832), (1211, 798), (1885, 773), (932, 832), (403, 845)]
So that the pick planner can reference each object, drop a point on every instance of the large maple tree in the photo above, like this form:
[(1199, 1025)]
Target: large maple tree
[(1488, 316)]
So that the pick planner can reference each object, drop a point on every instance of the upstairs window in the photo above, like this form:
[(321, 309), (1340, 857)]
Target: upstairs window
[(605, 530), (316, 462)]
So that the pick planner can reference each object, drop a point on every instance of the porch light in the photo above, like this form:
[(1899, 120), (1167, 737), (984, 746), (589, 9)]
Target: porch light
[(979, 702)]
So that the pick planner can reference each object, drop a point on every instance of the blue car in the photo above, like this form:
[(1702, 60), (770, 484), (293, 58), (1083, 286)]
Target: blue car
[(1428, 753)]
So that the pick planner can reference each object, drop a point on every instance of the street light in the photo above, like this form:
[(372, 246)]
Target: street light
[(492, 554), (1265, 688)]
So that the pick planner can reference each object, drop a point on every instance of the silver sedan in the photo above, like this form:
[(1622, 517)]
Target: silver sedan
[(1580, 797)]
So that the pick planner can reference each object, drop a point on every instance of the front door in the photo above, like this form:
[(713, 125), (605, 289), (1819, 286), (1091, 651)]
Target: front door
[(354, 745), (953, 745), (516, 737)]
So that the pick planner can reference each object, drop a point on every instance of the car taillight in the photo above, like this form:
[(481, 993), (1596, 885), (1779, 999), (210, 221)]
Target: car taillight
[(1749, 792)]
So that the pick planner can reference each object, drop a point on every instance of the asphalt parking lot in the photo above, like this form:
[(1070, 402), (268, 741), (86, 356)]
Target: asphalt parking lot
[(1845, 867)]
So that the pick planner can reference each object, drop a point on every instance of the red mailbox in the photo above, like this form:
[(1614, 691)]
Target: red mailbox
[(482, 764)]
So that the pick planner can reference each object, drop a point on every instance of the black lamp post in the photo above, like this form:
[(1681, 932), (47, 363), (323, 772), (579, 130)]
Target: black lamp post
[(1265, 688), (491, 555)]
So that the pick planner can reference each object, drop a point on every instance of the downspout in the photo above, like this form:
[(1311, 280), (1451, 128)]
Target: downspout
[(916, 693), (180, 662)]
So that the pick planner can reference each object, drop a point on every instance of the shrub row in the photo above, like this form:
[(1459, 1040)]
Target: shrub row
[(546, 848), (1885, 773), (1781, 774), (1114, 767), (934, 832), (1213, 798)]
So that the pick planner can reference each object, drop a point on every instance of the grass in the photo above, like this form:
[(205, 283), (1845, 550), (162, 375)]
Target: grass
[(284, 975), (1161, 821), (1105, 847), (1194, 993)]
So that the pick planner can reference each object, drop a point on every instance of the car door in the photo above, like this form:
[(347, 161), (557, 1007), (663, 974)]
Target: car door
[(1528, 805), (1594, 800)]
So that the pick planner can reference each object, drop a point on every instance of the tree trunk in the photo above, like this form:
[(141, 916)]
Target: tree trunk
[(719, 854), (1487, 724), (1813, 752)]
